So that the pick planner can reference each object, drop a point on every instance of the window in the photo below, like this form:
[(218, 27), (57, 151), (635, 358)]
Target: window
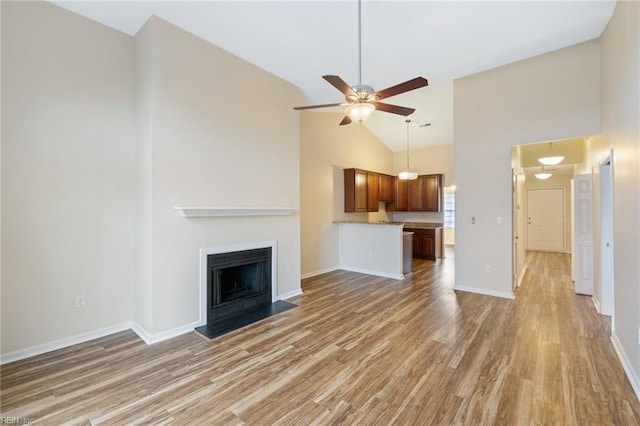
[(449, 208)]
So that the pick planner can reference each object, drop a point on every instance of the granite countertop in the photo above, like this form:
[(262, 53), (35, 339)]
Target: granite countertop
[(410, 225), (361, 222), (422, 225)]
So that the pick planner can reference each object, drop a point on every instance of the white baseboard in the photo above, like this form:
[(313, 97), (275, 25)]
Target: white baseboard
[(150, 339), (484, 291), (370, 272), (290, 294), (62, 343), (522, 272), (596, 303), (626, 365), (318, 272)]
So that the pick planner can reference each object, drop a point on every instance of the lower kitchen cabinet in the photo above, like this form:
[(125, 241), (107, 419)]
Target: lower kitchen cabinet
[(427, 243)]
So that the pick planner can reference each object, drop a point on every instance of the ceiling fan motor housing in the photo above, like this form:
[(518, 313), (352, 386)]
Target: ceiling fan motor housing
[(363, 93)]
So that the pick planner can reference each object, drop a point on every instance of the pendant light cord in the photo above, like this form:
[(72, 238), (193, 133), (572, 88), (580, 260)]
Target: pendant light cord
[(408, 121)]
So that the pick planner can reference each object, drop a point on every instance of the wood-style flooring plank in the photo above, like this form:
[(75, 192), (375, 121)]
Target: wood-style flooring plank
[(358, 349)]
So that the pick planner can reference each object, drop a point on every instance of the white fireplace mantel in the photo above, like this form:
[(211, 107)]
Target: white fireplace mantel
[(193, 212)]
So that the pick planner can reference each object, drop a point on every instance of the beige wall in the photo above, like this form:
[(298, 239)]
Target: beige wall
[(548, 97), (429, 160), (220, 144), (325, 150), (68, 166), (620, 88), (104, 136)]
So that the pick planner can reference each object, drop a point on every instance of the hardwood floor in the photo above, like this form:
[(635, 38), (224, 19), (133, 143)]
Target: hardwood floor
[(358, 350)]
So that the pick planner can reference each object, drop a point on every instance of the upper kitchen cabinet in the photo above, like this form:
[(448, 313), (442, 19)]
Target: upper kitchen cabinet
[(432, 192), (425, 193), (360, 191), (386, 190), (399, 203)]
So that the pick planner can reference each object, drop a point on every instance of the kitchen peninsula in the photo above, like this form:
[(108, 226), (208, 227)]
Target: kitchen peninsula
[(376, 248)]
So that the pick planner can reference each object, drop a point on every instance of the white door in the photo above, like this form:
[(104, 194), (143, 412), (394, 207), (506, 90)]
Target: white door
[(545, 219), (514, 227), (606, 239), (583, 233)]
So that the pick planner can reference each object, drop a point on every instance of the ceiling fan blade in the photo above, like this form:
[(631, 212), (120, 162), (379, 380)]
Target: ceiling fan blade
[(345, 120), (407, 86), (316, 106), (339, 84), (394, 109)]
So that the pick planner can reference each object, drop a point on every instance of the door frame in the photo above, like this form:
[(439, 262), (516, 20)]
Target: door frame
[(564, 215), (607, 283)]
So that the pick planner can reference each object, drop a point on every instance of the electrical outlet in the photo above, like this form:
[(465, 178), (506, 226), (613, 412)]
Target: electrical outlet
[(80, 301), (499, 220), (487, 269)]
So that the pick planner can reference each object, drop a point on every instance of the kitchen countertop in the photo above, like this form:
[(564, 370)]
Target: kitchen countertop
[(357, 222), (411, 225), (422, 225)]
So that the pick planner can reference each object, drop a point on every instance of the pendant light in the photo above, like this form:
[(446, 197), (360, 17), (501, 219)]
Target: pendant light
[(407, 175), (543, 174), (551, 160)]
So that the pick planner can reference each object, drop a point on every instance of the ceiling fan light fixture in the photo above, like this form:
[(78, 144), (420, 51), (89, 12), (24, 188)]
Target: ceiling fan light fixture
[(543, 176), (551, 161), (360, 112)]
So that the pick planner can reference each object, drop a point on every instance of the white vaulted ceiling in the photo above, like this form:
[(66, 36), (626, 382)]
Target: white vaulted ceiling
[(302, 40)]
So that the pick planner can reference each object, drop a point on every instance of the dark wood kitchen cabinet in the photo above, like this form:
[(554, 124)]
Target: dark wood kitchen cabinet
[(399, 203), (427, 243), (386, 190), (360, 191), (425, 193), (432, 192)]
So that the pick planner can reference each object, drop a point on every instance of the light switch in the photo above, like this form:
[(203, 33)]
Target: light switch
[(499, 220)]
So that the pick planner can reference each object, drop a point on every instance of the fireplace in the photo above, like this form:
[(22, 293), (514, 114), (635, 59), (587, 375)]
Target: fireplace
[(237, 281)]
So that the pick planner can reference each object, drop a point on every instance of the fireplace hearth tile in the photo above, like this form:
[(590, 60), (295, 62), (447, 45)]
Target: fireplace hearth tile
[(249, 316)]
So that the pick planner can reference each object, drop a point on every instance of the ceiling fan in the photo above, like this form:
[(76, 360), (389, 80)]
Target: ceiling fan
[(361, 100)]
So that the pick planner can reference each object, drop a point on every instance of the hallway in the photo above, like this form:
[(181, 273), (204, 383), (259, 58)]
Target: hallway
[(573, 373)]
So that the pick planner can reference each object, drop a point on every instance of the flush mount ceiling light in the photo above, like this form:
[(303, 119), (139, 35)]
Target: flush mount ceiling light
[(407, 174), (361, 100), (551, 160)]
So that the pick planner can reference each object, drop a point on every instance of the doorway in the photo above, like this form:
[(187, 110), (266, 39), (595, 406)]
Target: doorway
[(545, 219)]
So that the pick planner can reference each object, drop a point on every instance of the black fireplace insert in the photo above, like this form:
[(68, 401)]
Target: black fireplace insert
[(237, 281)]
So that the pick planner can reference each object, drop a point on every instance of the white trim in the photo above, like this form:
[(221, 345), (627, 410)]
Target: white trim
[(319, 272), (484, 291), (151, 339), (626, 365), (370, 272), (62, 343), (290, 294), (522, 272), (596, 304), (194, 212), (205, 251)]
